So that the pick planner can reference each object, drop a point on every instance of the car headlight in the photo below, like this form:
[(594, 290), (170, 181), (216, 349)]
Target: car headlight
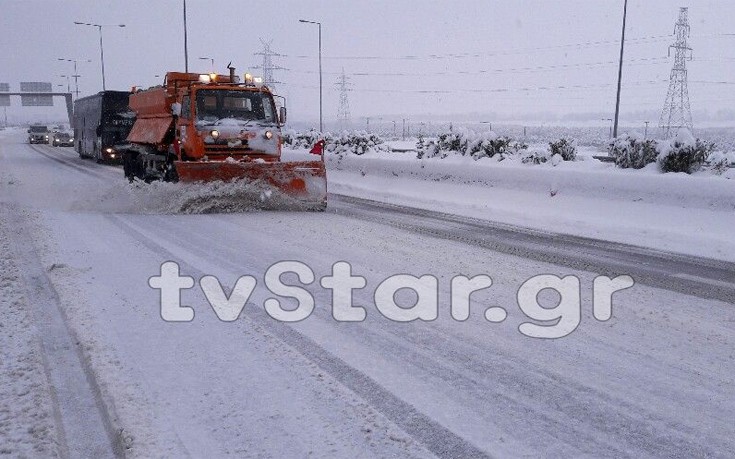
[(109, 150)]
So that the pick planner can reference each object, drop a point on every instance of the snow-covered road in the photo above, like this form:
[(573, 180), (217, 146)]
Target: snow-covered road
[(653, 381)]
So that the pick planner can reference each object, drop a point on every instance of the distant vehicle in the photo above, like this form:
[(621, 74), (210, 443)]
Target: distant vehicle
[(100, 123), (38, 133), (62, 139)]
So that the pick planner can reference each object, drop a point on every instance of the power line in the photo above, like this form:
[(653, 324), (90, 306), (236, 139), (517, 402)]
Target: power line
[(497, 90), (641, 40), (532, 69), (517, 51)]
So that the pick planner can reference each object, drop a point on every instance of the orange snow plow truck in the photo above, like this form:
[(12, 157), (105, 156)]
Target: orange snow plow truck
[(203, 128)]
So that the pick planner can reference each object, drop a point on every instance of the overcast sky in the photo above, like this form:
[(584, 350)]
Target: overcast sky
[(405, 58)]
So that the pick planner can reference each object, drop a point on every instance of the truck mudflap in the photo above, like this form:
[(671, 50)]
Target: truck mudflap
[(305, 181)]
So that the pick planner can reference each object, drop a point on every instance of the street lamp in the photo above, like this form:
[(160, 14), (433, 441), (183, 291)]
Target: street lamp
[(209, 59), (76, 75), (321, 119), (102, 49), (68, 82)]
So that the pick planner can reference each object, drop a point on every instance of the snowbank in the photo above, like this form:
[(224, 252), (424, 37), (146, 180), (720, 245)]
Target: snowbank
[(692, 214)]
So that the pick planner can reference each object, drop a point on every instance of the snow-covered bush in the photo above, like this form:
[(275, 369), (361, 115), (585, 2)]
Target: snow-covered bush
[(301, 139), (565, 148), (357, 143), (683, 153), (633, 152), (720, 162), (491, 145), (536, 156), (468, 143)]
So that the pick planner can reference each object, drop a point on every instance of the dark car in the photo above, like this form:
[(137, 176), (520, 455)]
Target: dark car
[(63, 139)]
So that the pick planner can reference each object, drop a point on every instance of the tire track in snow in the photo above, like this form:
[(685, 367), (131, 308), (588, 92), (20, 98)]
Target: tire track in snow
[(701, 277), (86, 428), (576, 414), (89, 171), (433, 436)]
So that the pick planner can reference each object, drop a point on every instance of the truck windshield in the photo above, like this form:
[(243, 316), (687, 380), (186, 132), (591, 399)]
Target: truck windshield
[(39, 129), (213, 105)]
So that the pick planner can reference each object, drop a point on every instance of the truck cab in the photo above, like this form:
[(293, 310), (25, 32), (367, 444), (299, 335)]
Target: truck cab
[(226, 121)]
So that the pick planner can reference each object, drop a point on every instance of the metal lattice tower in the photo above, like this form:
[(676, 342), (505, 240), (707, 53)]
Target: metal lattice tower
[(343, 112), (268, 66), (677, 113)]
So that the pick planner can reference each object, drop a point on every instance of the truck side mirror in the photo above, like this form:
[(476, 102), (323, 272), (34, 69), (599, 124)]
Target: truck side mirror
[(176, 109), (282, 115)]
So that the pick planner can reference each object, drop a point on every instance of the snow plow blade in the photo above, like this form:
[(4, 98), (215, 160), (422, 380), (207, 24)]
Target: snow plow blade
[(305, 181)]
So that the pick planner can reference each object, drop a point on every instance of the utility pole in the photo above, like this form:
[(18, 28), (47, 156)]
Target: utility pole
[(620, 71), (645, 132), (404, 129), (677, 113), (267, 65)]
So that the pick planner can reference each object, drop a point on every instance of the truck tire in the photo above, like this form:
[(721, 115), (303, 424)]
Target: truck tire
[(129, 165)]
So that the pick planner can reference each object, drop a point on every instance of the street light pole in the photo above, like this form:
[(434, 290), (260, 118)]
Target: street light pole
[(68, 83), (186, 43), (620, 71), (321, 119), (76, 74), (102, 49)]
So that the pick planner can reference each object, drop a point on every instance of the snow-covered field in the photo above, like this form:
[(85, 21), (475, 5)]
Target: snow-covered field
[(675, 212), (653, 381)]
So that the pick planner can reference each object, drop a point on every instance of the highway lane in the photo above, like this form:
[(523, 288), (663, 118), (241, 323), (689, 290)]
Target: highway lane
[(651, 382)]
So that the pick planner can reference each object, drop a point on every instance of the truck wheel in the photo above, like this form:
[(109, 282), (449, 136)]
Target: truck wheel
[(129, 163), (170, 174)]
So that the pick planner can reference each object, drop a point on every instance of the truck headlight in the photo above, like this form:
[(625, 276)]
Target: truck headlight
[(109, 150), (268, 135), (214, 133)]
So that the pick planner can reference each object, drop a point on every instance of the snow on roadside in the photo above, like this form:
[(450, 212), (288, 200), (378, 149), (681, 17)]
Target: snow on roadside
[(26, 409), (675, 212)]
